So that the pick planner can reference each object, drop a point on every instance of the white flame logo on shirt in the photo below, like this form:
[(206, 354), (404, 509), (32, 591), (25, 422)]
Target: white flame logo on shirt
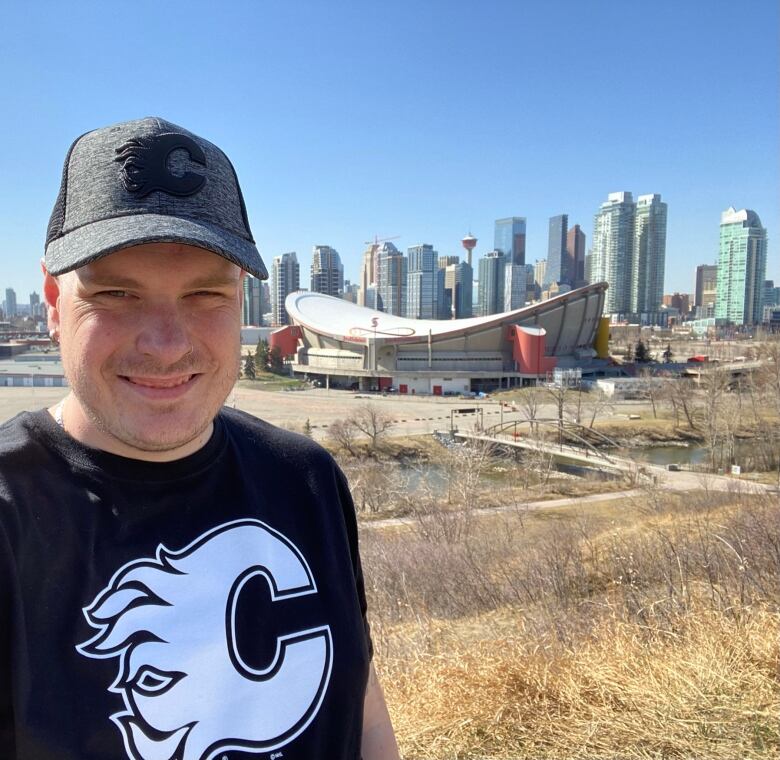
[(170, 620)]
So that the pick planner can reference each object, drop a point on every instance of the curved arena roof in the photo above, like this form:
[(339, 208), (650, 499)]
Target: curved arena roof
[(345, 321)]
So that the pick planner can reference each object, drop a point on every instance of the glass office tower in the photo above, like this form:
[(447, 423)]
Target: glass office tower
[(509, 238), (558, 265)]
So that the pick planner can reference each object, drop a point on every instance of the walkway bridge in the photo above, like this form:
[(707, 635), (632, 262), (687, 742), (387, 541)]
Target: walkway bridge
[(511, 434)]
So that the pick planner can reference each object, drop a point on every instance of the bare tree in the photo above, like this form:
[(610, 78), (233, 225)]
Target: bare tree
[(560, 397), (717, 424), (372, 422), (375, 486), (343, 434), (651, 388), (681, 394), (769, 374), (599, 402)]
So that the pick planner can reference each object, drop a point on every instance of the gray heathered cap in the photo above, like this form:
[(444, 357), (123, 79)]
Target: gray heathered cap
[(147, 181)]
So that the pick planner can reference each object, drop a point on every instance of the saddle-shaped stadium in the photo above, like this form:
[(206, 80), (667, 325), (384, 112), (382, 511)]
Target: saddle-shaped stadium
[(355, 347)]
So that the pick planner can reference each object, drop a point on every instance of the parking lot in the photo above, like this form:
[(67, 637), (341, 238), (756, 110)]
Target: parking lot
[(412, 414)]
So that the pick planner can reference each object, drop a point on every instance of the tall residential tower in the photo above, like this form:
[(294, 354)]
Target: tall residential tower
[(327, 271), (285, 279), (741, 267), (421, 301), (391, 275), (649, 254), (612, 255)]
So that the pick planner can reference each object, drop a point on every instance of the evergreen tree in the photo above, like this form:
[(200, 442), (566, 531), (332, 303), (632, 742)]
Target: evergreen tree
[(276, 360), (261, 354), (307, 428), (668, 355), (629, 355), (249, 367), (641, 354)]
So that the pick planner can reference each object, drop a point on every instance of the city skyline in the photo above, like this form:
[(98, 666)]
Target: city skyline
[(325, 151)]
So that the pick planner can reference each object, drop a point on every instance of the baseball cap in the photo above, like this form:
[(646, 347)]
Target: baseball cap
[(147, 181)]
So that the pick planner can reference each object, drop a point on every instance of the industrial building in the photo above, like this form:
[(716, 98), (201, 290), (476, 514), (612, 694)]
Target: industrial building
[(360, 348)]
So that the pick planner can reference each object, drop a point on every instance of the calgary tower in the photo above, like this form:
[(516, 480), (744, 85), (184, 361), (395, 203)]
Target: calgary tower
[(469, 243)]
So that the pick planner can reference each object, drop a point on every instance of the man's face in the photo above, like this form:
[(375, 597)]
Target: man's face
[(150, 341)]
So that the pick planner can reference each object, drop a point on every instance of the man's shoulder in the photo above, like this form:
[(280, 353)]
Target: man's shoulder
[(18, 438), (272, 441)]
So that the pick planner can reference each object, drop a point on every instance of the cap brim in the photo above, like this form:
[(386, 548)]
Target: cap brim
[(93, 241)]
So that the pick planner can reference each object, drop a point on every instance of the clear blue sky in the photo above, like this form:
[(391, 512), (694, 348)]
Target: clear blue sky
[(418, 119)]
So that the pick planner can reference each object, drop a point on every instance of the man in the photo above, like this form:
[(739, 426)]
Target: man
[(178, 581)]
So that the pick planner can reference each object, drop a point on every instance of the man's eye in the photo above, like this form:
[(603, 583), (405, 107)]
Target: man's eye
[(113, 293)]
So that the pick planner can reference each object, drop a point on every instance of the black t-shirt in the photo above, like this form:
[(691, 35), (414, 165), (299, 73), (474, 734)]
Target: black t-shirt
[(206, 608)]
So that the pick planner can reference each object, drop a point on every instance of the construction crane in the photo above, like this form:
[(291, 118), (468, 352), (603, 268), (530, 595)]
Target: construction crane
[(376, 241)]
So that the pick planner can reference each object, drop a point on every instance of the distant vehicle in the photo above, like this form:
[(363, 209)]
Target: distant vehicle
[(699, 358)]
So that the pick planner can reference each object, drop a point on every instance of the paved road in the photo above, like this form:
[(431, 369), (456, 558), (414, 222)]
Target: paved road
[(688, 482)]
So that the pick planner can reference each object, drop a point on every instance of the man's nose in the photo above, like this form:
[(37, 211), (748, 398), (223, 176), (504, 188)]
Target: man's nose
[(164, 335)]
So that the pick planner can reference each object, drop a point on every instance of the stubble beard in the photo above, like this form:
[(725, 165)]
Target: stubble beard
[(168, 438)]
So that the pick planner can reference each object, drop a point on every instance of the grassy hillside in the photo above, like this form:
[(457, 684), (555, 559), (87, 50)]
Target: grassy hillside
[(642, 629)]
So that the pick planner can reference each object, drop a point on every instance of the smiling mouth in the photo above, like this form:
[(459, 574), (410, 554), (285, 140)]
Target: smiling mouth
[(158, 382)]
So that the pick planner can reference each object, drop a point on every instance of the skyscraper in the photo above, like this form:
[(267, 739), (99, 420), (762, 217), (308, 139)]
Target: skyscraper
[(286, 278), (252, 311), (612, 254), (35, 305), (368, 274), (490, 292), (327, 271), (509, 238), (649, 254), (540, 269), (575, 249), (391, 291), (706, 290), (741, 267), (458, 289), (771, 293), (10, 303), (558, 265), (515, 285), (444, 287), (421, 282)]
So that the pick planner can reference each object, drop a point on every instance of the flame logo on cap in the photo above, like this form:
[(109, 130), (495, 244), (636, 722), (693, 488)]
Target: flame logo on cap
[(145, 165)]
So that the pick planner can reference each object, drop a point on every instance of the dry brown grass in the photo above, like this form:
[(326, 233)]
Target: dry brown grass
[(707, 690), (644, 630)]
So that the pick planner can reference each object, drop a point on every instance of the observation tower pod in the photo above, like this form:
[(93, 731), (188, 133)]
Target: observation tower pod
[(469, 243)]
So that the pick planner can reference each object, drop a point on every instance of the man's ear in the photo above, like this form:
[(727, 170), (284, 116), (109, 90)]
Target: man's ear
[(51, 295)]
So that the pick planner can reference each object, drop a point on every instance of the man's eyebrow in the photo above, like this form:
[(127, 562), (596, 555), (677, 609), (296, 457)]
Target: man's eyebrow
[(102, 280), (218, 281)]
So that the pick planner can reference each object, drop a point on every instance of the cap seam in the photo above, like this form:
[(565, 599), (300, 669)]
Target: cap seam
[(65, 183)]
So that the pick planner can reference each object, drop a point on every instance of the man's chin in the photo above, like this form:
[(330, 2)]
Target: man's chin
[(157, 439), (167, 430)]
